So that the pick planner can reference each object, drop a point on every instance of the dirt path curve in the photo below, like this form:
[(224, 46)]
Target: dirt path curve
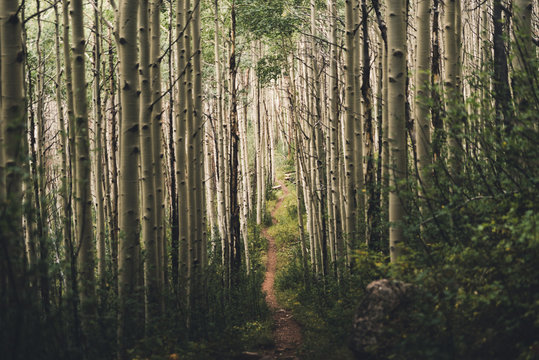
[(287, 334)]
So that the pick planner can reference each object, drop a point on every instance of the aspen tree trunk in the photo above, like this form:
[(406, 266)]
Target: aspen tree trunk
[(422, 109), (41, 180), (258, 162), (2, 155), (292, 93), (191, 154), (83, 168), (148, 203), (157, 142), (98, 156), (396, 36), (383, 171), (348, 145), (129, 153), (66, 188), (198, 139), (369, 186), (173, 126), (359, 146), (209, 185), (220, 151), (451, 65), (113, 224), (235, 241), (438, 133), (181, 150), (334, 140), (524, 52), (244, 210), (502, 95), (70, 117), (320, 167), (13, 126)]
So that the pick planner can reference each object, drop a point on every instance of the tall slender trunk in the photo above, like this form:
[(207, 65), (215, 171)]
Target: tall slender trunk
[(13, 125), (181, 150), (148, 203), (451, 65), (396, 36), (235, 234), (348, 145), (129, 157), (83, 169), (157, 142), (98, 126), (422, 108)]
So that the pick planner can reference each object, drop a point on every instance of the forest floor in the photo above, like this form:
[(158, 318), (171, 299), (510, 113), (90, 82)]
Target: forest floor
[(287, 332)]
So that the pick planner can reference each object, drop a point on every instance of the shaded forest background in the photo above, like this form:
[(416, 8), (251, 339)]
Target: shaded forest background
[(141, 142)]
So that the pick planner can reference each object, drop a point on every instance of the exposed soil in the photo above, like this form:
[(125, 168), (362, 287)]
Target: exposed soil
[(287, 333)]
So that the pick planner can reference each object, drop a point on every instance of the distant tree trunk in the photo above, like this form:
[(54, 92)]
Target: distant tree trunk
[(129, 154), (83, 169), (396, 36)]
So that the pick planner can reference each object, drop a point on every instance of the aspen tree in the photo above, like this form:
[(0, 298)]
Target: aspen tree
[(368, 186), (42, 199), (173, 162), (148, 203), (113, 223), (198, 135), (66, 188), (524, 52), (359, 146), (244, 166), (422, 109), (181, 148), (129, 153), (157, 140), (220, 151), (191, 154), (451, 65), (83, 168), (436, 111), (334, 187), (235, 240), (13, 126), (396, 37), (348, 144), (98, 158), (2, 163)]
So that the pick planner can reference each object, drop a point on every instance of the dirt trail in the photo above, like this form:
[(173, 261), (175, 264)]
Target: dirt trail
[(287, 334)]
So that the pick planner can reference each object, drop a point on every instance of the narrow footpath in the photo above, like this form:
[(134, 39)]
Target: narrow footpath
[(287, 333)]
